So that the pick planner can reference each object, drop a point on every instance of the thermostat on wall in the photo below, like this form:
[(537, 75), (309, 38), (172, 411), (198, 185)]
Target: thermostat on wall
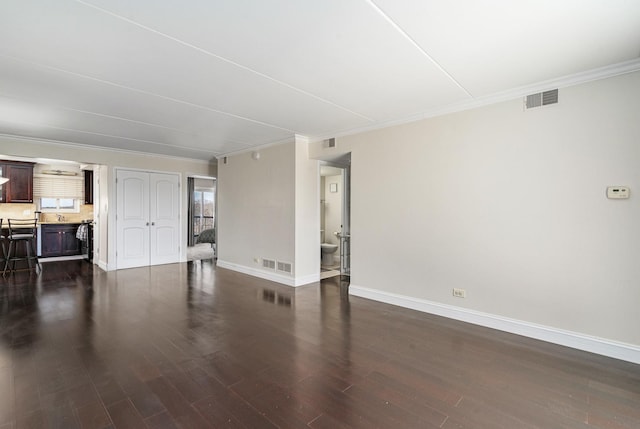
[(618, 192)]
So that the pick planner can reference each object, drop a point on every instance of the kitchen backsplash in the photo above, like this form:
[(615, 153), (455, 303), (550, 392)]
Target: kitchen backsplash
[(17, 211)]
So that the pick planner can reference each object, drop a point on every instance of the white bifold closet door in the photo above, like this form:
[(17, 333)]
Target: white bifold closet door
[(148, 218)]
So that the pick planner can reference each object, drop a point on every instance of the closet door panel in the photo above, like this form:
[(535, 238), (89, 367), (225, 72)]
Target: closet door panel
[(132, 189), (165, 218)]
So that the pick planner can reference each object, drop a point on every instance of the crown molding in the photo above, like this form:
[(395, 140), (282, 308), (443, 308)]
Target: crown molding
[(291, 139), (102, 148), (498, 97)]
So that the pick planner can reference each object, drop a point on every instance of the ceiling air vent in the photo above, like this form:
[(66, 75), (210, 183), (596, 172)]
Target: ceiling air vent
[(329, 143), (541, 99)]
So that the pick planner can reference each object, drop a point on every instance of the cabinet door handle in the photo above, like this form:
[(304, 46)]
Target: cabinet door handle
[(147, 223), (153, 223)]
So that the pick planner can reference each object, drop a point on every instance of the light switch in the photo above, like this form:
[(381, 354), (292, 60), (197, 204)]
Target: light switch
[(618, 192)]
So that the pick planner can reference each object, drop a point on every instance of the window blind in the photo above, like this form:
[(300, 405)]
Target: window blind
[(57, 187)]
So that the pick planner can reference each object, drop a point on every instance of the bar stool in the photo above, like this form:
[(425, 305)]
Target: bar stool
[(22, 231)]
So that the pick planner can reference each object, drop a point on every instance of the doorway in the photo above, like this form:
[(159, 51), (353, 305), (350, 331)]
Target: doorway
[(335, 218), (201, 228)]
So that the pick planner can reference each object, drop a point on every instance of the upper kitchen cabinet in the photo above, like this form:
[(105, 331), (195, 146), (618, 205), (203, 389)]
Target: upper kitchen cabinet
[(19, 188), (88, 186)]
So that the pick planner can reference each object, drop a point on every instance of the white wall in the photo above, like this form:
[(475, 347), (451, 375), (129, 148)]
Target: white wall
[(269, 209), (199, 183), (322, 214), (256, 207), (307, 215), (101, 247), (109, 159), (509, 205)]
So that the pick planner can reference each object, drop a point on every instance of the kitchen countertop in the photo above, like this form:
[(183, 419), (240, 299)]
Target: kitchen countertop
[(5, 224)]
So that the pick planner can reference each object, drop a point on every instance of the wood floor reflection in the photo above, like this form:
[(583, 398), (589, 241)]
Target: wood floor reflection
[(192, 346)]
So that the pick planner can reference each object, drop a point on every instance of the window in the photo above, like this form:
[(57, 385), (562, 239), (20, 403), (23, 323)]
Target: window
[(59, 194), (203, 210), (65, 205)]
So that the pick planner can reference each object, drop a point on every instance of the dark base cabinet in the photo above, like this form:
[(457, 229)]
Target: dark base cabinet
[(60, 240)]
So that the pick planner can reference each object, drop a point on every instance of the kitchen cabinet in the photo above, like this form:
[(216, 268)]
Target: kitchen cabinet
[(19, 188), (60, 239), (88, 186)]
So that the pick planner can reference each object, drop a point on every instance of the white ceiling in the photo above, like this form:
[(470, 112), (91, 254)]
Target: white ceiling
[(203, 78)]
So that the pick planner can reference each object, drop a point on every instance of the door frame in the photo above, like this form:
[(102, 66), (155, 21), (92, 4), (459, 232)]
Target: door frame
[(215, 203), (343, 163)]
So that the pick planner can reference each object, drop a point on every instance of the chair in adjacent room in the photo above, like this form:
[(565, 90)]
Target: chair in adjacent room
[(207, 236), (22, 231)]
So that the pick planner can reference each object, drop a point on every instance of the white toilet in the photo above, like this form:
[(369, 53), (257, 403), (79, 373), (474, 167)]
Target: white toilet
[(327, 253)]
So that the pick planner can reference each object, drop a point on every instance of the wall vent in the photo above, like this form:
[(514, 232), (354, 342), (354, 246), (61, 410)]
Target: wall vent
[(269, 263), (285, 267), (329, 143), (541, 99)]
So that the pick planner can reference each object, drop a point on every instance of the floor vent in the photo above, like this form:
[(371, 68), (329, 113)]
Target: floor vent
[(541, 99), (269, 263), (329, 143), (285, 267)]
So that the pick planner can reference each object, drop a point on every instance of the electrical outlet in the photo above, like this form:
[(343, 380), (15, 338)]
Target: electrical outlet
[(256, 260), (459, 293), (618, 192)]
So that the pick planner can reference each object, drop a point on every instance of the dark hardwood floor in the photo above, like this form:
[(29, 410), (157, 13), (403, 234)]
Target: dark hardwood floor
[(191, 346)]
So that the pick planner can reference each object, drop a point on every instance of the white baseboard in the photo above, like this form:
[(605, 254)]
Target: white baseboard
[(270, 275), (601, 346), (305, 280)]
